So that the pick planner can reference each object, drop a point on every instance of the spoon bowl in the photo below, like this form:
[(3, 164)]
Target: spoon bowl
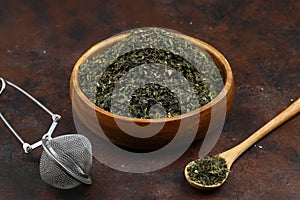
[(198, 185), (232, 154)]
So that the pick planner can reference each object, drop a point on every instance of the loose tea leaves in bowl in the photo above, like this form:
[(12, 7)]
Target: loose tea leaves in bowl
[(131, 132), (168, 76), (209, 170)]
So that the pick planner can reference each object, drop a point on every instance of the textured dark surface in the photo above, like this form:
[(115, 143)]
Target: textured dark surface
[(41, 41)]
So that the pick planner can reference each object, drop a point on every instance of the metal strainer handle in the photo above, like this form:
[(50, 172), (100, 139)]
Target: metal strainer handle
[(55, 118)]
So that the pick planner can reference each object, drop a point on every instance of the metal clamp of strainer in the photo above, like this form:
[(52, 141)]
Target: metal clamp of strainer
[(55, 118)]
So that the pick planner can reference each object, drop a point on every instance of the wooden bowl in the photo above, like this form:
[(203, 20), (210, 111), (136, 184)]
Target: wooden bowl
[(103, 123)]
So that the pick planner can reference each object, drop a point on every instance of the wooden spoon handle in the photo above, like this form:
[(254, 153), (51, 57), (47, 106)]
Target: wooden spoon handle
[(232, 154)]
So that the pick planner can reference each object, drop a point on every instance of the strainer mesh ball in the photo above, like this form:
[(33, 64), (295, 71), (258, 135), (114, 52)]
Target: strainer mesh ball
[(66, 161)]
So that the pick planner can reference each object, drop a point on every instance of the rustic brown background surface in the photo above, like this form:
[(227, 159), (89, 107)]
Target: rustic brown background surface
[(41, 40)]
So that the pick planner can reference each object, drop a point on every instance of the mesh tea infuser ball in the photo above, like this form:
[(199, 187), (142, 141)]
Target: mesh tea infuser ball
[(66, 160)]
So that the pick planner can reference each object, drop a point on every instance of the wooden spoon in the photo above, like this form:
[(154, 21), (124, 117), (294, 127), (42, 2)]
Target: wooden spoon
[(232, 154)]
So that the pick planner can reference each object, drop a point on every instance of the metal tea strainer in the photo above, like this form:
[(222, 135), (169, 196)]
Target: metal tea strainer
[(66, 160)]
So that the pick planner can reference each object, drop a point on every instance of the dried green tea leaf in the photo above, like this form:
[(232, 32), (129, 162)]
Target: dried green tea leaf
[(209, 170), (99, 75)]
